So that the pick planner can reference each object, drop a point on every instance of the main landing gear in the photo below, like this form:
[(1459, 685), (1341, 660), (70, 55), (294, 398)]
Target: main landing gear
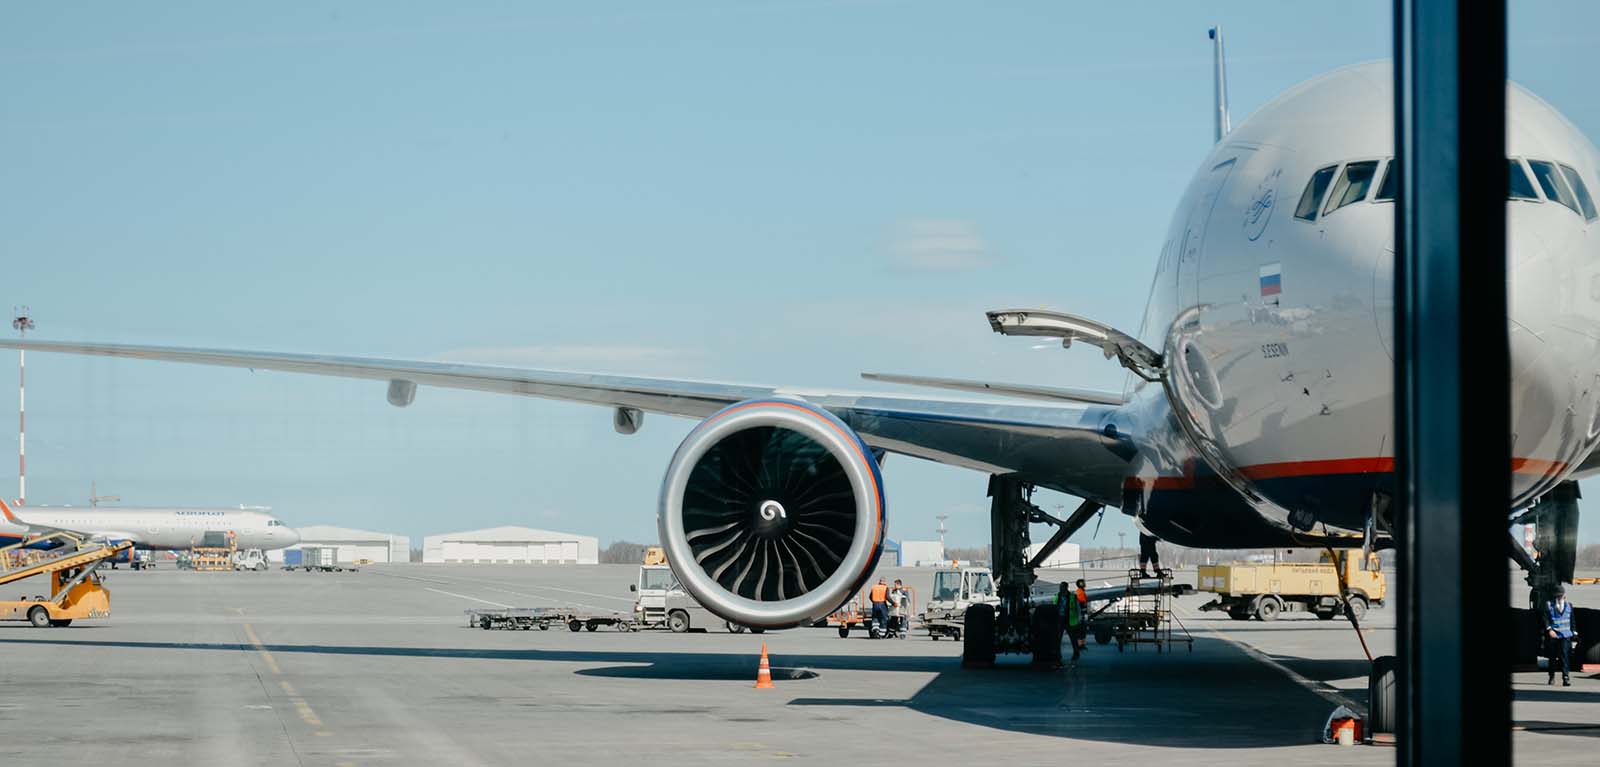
[(1015, 626)]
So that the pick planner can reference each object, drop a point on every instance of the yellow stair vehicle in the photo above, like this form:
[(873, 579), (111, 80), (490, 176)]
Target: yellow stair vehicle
[(1263, 591), (75, 588)]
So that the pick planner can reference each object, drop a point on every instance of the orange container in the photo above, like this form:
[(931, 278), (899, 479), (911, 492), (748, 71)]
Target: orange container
[(1353, 725)]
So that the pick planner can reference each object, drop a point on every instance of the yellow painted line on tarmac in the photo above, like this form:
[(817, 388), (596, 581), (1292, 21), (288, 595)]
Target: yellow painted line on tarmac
[(272, 663), (301, 707), (306, 713)]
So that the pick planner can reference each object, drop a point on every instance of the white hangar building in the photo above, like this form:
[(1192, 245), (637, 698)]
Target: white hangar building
[(352, 545), (511, 546)]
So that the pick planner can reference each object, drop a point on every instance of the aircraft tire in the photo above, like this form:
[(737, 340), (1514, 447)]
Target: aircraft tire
[(1382, 694), (1045, 636), (977, 637)]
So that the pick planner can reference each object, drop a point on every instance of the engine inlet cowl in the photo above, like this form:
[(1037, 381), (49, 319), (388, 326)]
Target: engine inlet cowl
[(772, 513)]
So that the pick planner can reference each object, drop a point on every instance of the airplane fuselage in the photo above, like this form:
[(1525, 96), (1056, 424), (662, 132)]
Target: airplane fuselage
[(157, 529), (1272, 304)]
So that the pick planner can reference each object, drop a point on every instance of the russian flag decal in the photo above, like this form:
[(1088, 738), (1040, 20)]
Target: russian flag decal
[(1272, 279)]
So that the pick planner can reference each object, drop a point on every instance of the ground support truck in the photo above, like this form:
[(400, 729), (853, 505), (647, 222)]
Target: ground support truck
[(1264, 591), (662, 602)]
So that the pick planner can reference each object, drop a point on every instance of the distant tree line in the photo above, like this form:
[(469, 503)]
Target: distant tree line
[(623, 553), (1589, 556)]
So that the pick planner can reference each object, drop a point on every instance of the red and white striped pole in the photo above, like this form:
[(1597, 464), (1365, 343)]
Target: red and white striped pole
[(23, 323)]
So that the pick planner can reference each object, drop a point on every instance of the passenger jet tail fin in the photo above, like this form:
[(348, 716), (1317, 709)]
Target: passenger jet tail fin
[(12, 518)]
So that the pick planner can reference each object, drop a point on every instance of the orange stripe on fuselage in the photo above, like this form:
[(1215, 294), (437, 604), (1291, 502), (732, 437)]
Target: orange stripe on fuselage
[(1328, 467)]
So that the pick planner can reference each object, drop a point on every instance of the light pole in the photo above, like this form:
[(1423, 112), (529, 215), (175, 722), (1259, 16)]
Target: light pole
[(22, 323), (1122, 546)]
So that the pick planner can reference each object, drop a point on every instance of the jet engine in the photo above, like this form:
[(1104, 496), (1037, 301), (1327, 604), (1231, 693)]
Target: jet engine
[(772, 513)]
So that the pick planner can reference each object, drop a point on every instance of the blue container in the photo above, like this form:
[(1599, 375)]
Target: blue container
[(293, 557)]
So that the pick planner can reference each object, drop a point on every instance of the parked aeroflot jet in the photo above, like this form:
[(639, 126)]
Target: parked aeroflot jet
[(172, 529), (1258, 408)]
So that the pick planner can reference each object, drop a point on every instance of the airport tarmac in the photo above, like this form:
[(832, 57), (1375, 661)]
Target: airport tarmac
[(378, 667)]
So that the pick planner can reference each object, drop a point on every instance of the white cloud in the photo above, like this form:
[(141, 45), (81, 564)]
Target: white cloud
[(939, 245)]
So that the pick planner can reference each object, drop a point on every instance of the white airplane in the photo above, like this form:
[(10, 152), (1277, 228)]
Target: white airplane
[(1258, 408), (149, 528)]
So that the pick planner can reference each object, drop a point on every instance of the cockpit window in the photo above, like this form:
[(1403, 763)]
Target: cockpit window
[(1582, 190), (1555, 188), (1311, 199), (1353, 185), (1521, 186), (1391, 183)]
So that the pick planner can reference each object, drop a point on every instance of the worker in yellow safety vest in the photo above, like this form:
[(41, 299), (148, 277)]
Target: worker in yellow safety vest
[(1071, 616)]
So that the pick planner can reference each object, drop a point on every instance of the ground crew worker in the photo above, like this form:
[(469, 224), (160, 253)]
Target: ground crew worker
[(879, 597), (1148, 553), (899, 601), (1071, 616), (1080, 639), (1558, 635)]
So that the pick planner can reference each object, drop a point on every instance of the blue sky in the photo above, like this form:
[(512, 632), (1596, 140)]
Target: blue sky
[(764, 192)]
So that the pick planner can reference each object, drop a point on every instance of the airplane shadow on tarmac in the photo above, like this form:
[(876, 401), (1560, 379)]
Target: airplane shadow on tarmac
[(1145, 698)]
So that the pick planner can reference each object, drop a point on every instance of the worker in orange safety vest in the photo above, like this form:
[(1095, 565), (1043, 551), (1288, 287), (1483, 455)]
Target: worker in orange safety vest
[(879, 597)]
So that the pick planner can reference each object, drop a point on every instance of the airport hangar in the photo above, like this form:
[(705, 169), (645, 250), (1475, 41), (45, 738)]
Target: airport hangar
[(511, 545)]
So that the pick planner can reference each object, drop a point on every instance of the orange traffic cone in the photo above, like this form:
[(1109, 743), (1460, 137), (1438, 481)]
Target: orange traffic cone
[(764, 676)]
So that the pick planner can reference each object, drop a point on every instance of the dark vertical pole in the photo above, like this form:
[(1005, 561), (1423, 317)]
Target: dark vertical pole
[(1452, 389)]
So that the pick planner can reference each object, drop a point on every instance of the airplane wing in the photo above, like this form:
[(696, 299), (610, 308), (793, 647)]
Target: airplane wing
[(1062, 446)]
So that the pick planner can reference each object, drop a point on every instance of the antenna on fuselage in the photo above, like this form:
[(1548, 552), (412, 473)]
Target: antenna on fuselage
[(1219, 73)]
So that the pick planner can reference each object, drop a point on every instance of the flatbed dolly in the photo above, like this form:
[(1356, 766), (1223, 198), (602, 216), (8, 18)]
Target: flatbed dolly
[(75, 588), (542, 618)]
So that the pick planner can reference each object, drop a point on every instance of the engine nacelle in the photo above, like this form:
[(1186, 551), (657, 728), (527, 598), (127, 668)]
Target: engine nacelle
[(772, 513)]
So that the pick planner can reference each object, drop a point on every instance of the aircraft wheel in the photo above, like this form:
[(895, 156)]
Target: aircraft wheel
[(1045, 637), (39, 617), (977, 646), (1382, 694)]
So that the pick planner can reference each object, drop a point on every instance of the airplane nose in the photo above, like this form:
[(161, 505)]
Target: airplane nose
[(1555, 333)]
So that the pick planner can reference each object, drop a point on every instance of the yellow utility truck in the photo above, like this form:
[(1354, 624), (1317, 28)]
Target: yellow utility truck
[(1264, 591)]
